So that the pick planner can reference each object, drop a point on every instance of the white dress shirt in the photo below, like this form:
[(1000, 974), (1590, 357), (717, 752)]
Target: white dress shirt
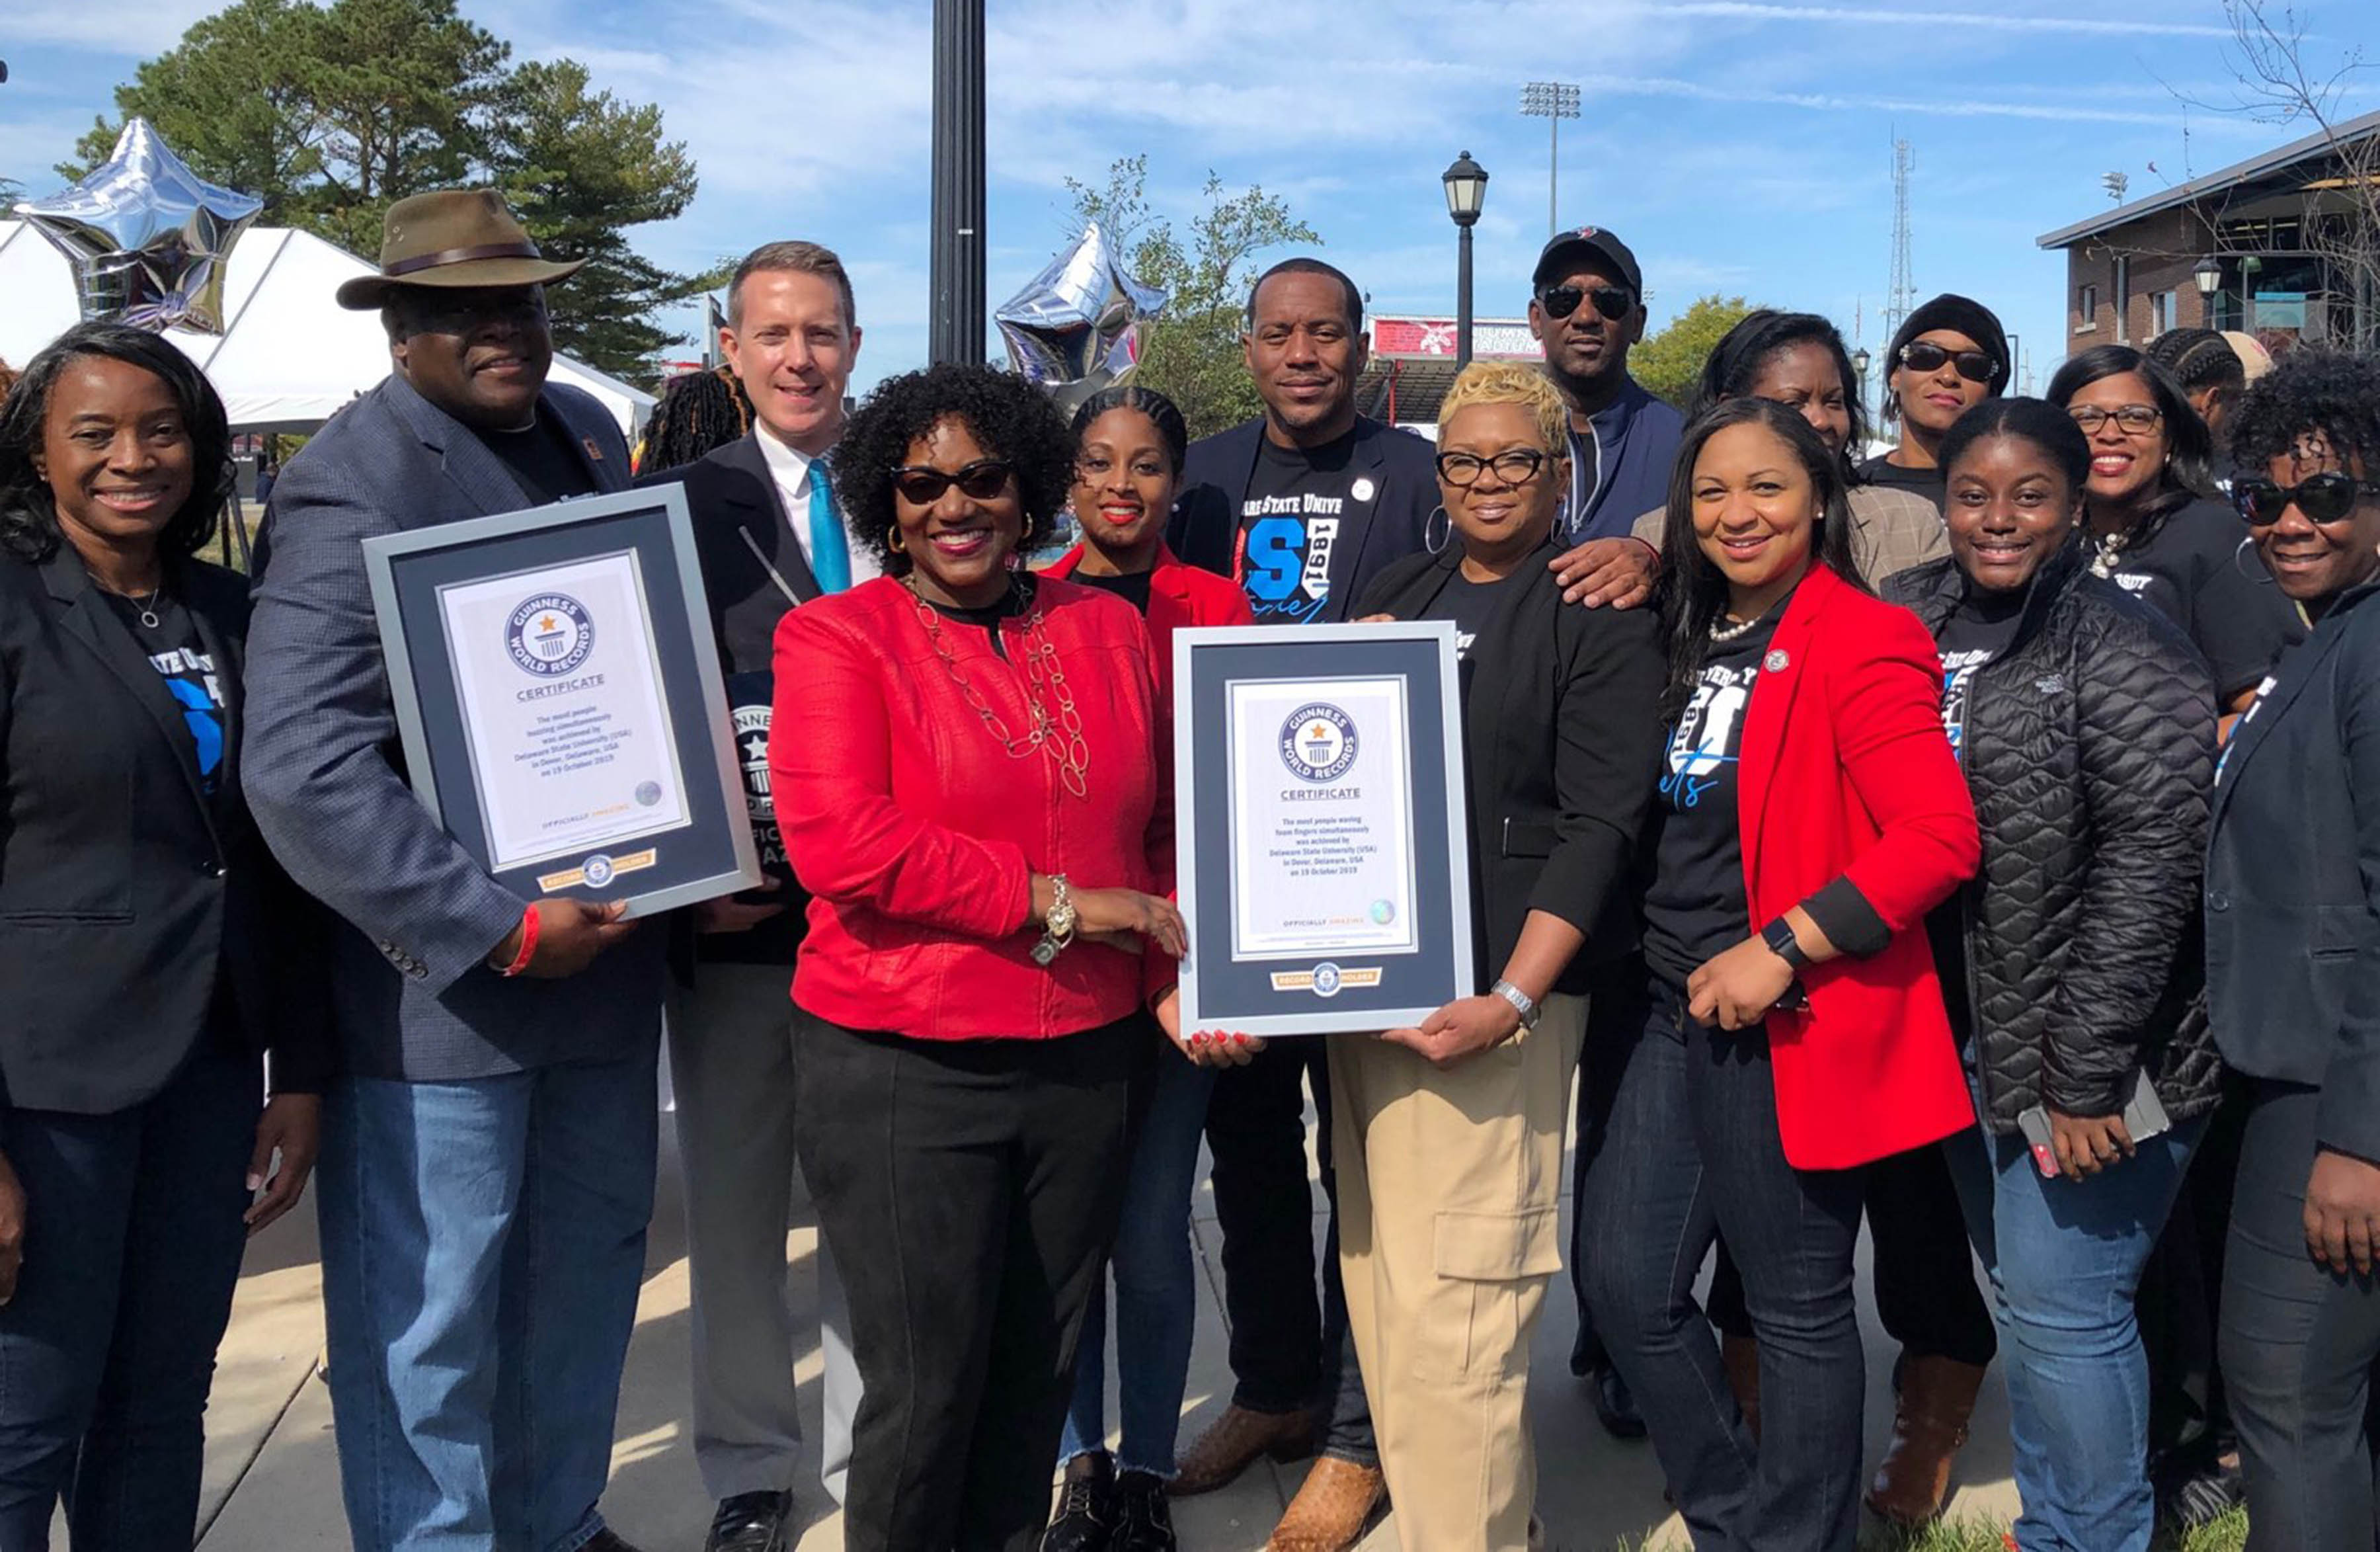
[(790, 467)]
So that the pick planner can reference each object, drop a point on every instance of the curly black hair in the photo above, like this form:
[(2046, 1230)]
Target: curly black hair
[(29, 514), (2326, 391), (1012, 420), (699, 411)]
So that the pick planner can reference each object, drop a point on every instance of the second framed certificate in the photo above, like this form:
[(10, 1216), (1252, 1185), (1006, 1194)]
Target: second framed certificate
[(1325, 874)]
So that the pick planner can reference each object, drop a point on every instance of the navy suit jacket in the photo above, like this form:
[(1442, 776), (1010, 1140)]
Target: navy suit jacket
[(1376, 533), (412, 996)]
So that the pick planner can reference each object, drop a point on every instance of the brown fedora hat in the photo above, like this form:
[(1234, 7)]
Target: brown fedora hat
[(456, 236)]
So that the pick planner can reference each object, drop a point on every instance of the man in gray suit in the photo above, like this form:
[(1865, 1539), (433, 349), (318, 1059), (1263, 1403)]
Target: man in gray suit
[(489, 1162)]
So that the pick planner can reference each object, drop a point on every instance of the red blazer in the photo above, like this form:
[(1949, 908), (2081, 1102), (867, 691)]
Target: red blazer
[(917, 833), (1845, 769), (1179, 594)]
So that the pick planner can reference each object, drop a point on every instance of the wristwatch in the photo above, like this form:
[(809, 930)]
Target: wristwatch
[(1779, 936), (1522, 1004), (1058, 926)]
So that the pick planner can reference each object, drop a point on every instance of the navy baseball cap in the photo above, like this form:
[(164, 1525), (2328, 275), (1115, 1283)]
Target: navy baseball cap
[(1567, 248)]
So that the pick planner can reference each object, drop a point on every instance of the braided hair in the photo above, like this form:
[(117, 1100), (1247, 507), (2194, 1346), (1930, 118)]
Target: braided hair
[(699, 411)]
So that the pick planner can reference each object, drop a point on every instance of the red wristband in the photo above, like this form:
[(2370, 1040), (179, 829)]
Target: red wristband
[(528, 943)]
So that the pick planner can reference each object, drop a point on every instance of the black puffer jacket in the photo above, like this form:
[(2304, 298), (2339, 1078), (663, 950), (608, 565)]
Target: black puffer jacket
[(2090, 749)]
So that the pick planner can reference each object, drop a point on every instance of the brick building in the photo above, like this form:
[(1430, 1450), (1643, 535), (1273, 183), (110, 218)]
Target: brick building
[(2273, 225)]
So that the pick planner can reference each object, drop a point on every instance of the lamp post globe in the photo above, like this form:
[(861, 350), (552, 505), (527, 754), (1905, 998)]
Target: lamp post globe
[(1467, 191), (2208, 273)]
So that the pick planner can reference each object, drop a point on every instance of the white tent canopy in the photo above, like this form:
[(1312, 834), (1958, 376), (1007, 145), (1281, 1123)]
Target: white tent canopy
[(289, 355)]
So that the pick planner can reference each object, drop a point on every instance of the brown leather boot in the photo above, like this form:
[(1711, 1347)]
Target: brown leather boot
[(1330, 1512), (1742, 1357), (1233, 1443), (1937, 1395)]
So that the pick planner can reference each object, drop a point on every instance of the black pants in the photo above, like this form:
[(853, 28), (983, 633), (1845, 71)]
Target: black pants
[(2297, 1347), (1287, 1352), (1922, 1269), (2180, 1300), (969, 1191), (1686, 1147)]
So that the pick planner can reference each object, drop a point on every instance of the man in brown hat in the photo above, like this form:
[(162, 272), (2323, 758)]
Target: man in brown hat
[(490, 1170)]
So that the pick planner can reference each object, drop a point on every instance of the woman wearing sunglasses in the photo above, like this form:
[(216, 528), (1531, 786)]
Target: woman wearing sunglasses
[(1449, 1136), (2293, 965), (1950, 355), (2154, 522), (970, 773), (1788, 1029)]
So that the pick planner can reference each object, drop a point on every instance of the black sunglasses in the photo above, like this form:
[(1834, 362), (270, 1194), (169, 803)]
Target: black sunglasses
[(2324, 499), (922, 486), (1976, 366), (1611, 301)]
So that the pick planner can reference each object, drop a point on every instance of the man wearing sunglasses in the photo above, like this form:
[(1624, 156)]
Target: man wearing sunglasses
[(1586, 307)]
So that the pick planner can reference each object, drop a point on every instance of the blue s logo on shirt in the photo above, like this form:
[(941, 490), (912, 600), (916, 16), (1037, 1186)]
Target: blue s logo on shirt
[(1287, 566)]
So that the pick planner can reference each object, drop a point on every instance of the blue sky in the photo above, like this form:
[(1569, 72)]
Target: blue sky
[(1740, 147)]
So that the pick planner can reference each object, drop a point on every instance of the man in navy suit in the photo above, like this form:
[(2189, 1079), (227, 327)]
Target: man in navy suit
[(488, 1167)]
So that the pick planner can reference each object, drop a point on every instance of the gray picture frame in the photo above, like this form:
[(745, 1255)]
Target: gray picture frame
[(712, 853)]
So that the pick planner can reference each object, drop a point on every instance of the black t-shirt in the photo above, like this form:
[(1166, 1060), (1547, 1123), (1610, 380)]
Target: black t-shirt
[(1132, 589), (1695, 905), (1290, 520), (1927, 482), (1979, 630), (2194, 569), (174, 649), (543, 459)]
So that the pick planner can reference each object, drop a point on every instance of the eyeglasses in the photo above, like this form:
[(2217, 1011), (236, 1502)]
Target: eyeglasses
[(2136, 420), (2327, 497), (922, 486), (1611, 302), (1976, 366), (1515, 466)]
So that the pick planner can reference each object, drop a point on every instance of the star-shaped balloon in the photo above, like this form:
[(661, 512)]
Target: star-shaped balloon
[(1075, 327), (146, 236)]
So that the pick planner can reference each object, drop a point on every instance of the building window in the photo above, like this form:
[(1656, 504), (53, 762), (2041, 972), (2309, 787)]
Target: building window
[(2160, 313), (2123, 300), (2087, 308)]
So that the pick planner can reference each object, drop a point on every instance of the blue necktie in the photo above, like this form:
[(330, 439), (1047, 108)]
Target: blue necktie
[(829, 551)]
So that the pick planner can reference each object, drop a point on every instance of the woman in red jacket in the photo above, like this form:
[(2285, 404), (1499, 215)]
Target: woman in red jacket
[(971, 775), (1789, 1027), (1129, 444)]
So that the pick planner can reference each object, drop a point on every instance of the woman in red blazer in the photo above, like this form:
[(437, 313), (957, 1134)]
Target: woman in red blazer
[(1129, 444), (972, 776), (1787, 1028)]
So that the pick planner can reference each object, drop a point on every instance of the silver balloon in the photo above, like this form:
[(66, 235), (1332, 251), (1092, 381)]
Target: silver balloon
[(146, 236), (1075, 327)]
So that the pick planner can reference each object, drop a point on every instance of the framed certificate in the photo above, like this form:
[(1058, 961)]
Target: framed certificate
[(559, 700), (1322, 846)]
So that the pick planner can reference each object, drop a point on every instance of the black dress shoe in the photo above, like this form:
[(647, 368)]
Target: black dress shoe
[(750, 1522), (1086, 1517), (1144, 1523), (1615, 1404)]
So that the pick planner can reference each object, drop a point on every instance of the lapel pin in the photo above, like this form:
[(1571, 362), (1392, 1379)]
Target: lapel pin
[(594, 454), (1362, 489), (1776, 662)]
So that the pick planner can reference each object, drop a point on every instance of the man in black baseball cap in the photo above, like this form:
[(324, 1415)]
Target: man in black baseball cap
[(1586, 307)]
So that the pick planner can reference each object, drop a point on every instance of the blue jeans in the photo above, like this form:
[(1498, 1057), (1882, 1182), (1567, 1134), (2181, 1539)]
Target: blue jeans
[(133, 1242), (482, 1244), (1156, 1286), (1685, 1146), (2064, 1258)]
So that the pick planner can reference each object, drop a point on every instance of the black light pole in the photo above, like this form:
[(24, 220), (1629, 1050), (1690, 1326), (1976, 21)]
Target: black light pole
[(2208, 273), (955, 332), (1861, 361), (1467, 190)]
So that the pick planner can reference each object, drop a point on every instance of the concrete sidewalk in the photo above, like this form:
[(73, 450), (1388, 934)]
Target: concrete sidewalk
[(271, 1478)]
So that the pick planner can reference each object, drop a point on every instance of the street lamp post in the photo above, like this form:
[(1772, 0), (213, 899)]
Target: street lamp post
[(956, 320), (2016, 363), (1552, 101), (1861, 360), (1467, 190), (2209, 276)]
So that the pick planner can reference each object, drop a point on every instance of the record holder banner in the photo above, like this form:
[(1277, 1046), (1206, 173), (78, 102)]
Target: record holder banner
[(1321, 825), (559, 700)]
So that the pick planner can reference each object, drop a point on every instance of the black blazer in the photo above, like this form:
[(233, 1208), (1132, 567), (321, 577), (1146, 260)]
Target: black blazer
[(738, 519), (2293, 878), (1562, 750), (1394, 523), (129, 903)]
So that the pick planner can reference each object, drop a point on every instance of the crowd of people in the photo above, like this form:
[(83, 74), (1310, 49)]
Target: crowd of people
[(1979, 840)]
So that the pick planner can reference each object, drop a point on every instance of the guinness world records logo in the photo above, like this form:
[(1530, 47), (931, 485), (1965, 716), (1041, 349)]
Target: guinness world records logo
[(1318, 742), (550, 635)]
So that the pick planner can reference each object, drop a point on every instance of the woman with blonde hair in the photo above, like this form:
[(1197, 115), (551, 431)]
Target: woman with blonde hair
[(1448, 1136)]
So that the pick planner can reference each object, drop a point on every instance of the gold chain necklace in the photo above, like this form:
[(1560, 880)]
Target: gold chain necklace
[(1060, 739)]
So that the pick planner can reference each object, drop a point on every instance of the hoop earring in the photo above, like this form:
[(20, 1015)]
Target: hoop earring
[(1431, 539), (2260, 574), (896, 543)]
